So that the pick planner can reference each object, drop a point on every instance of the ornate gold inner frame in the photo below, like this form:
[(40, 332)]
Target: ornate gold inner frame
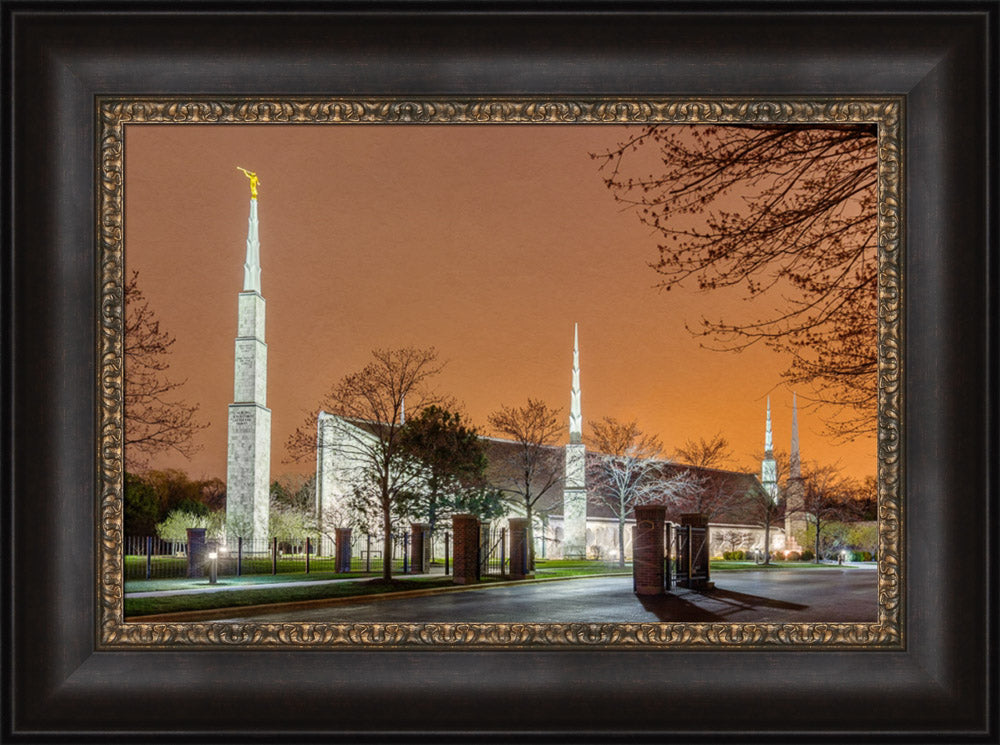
[(114, 116)]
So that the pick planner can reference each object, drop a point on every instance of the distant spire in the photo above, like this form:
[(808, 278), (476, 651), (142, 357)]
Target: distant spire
[(768, 440), (575, 415), (251, 267), (795, 463), (402, 410)]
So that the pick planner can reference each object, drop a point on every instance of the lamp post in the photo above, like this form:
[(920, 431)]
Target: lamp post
[(213, 567)]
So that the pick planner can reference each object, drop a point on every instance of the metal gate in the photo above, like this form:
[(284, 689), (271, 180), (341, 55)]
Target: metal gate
[(686, 556), (493, 551)]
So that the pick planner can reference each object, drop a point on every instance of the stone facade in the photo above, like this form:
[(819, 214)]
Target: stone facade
[(248, 470), (574, 537), (340, 458), (574, 507), (736, 537)]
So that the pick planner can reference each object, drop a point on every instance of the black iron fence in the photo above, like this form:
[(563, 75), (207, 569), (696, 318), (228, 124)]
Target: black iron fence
[(148, 557)]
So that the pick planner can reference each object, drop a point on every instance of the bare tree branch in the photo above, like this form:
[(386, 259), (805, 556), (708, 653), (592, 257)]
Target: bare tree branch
[(155, 420), (367, 406), (529, 467), (786, 214)]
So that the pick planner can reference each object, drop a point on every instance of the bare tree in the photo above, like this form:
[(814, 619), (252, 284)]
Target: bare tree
[(713, 493), (531, 467), (368, 408), (828, 496), (784, 213), (712, 453), (624, 472), (155, 419)]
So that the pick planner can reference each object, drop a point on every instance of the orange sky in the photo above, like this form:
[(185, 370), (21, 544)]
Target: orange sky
[(485, 241)]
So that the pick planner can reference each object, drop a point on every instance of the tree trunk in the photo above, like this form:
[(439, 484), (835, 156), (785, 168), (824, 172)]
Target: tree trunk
[(386, 543), (817, 542), (767, 542), (530, 537), (621, 540)]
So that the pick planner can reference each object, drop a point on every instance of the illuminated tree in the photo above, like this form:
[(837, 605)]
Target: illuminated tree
[(369, 410), (625, 472), (784, 215), (452, 462), (529, 468)]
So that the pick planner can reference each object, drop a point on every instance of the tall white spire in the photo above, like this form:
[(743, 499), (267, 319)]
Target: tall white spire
[(796, 521), (248, 465), (768, 439), (251, 267), (574, 543), (575, 413), (768, 466), (795, 462)]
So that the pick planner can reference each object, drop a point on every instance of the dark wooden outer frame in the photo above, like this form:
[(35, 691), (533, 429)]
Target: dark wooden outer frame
[(941, 59)]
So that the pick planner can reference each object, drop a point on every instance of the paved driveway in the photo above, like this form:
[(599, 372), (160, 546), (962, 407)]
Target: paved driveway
[(783, 595)]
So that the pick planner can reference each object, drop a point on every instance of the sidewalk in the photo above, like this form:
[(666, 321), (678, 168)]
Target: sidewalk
[(222, 586)]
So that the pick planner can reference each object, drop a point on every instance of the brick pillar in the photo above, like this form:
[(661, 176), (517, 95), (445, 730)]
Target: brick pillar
[(420, 548), (465, 533), (699, 561), (342, 557), (197, 553), (648, 550), (518, 527)]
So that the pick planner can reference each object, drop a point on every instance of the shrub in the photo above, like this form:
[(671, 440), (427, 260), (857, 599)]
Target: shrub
[(863, 536), (739, 555), (807, 555), (174, 526), (793, 556)]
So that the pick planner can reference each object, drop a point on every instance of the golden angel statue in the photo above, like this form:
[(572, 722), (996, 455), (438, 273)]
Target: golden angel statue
[(253, 181)]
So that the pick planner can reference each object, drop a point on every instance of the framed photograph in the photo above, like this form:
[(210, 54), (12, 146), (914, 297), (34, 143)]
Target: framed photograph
[(390, 142), (429, 244)]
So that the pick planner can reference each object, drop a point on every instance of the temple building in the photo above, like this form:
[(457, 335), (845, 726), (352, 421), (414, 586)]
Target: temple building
[(570, 519)]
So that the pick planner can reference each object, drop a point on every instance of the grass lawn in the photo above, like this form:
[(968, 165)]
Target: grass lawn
[(576, 567), (278, 594), (159, 585), (176, 566), (745, 566)]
